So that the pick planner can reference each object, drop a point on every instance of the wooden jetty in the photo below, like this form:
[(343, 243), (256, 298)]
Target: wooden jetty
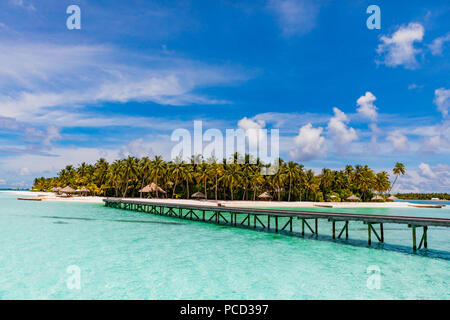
[(280, 220)]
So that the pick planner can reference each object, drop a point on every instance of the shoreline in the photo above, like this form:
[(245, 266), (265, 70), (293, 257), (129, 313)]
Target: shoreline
[(50, 196)]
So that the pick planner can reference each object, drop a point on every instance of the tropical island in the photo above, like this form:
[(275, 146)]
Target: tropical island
[(219, 180)]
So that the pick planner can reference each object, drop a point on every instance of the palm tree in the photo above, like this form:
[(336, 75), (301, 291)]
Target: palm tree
[(144, 167), (216, 171), (231, 177), (113, 176), (308, 182), (202, 177), (175, 173), (158, 168), (100, 173), (187, 172), (364, 179), (381, 183), (292, 171), (129, 166), (399, 169)]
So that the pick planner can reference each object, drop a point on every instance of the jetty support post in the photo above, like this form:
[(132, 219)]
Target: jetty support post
[(345, 228), (423, 241), (370, 229), (305, 223)]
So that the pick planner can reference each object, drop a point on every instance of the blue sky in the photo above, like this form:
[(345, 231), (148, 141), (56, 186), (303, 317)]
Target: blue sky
[(338, 92)]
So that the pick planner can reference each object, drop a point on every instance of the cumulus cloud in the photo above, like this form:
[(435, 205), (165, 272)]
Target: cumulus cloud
[(341, 134), (309, 144), (366, 107), (426, 179), (442, 100), (295, 16), (398, 49), (399, 141), (24, 171), (2, 182), (435, 144), (136, 148), (253, 132), (246, 123), (426, 171), (438, 43)]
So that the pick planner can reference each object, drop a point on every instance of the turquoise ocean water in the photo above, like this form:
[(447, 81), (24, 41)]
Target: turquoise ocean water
[(129, 255)]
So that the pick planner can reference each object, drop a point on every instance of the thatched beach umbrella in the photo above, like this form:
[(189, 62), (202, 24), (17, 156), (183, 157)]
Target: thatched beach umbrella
[(67, 190), (353, 198), (378, 198), (392, 198), (265, 195), (57, 189), (153, 187), (198, 195), (83, 190)]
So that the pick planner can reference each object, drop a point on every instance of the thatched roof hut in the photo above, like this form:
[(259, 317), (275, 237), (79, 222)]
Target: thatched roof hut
[(67, 190), (392, 198), (265, 195), (353, 198), (152, 187), (378, 198), (198, 195), (57, 189)]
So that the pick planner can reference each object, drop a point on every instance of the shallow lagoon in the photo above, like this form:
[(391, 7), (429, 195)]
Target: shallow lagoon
[(130, 255)]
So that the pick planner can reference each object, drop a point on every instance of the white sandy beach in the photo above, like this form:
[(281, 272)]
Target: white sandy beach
[(50, 196)]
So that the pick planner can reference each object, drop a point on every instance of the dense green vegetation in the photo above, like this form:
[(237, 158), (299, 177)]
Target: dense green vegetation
[(423, 196), (219, 180)]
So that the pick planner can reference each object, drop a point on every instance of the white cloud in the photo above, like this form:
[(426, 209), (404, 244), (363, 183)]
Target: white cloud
[(295, 16), (366, 107), (438, 43), (246, 123), (426, 171), (252, 128), (435, 144), (399, 48), (309, 144), (136, 148), (442, 100), (338, 130), (398, 140), (38, 78), (413, 86), (23, 4), (2, 182), (24, 171), (51, 134), (426, 179)]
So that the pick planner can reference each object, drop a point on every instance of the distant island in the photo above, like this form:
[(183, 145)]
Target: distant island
[(222, 180), (423, 196)]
